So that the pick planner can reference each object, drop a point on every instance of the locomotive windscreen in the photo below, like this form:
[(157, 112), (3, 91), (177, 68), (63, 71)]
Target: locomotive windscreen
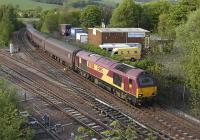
[(146, 80)]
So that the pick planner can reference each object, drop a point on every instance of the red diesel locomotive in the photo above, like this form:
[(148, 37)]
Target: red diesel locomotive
[(127, 82)]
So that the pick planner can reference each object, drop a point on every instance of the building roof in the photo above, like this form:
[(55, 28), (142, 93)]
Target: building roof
[(137, 30), (76, 28), (81, 34)]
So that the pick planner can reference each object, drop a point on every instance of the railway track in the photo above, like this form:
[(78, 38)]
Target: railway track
[(159, 116), (60, 126), (172, 126), (65, 106), (112, 113), (49, 131), (168, 123), (105, 110), (108, 111)]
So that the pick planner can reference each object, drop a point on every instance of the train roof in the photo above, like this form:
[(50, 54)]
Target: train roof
[(128, 70), (97, 59), (134, 73), (33, 31), (62, 44)]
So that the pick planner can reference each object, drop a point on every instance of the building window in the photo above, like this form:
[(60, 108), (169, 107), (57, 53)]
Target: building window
[(110, 49), (136, 35), (117, 79)]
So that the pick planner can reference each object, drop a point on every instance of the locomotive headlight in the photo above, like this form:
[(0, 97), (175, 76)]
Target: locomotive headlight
[(140, 95)]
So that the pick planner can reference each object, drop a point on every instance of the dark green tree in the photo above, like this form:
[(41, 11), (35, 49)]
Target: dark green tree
[(165, 29), (188, 36), (106, 13), (125, 15), (152, 11), (145, 20), (8, 23), (176, 16), (10, 120), (50, 23), (91, 16), (5, 32), (9, 12), (70, 17), (41, 20), (178, 13)]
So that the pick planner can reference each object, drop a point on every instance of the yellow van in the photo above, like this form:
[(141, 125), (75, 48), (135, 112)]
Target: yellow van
[(129, 53)]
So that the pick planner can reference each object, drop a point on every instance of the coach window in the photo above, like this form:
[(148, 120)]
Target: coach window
[(117, 79), (130, 83)]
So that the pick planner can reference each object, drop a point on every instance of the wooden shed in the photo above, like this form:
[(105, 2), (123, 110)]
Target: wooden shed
[(99, 36)]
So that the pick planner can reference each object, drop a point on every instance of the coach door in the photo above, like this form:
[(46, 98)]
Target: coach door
[(77, 61), (84, 64)]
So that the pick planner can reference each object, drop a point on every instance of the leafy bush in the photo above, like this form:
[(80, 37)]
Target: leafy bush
[(10, 120), (95, 49), (188, 36), (8, 23)]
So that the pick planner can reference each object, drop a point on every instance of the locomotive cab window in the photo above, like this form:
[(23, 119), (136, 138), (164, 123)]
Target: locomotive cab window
[(117, 79), (146, 80)]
